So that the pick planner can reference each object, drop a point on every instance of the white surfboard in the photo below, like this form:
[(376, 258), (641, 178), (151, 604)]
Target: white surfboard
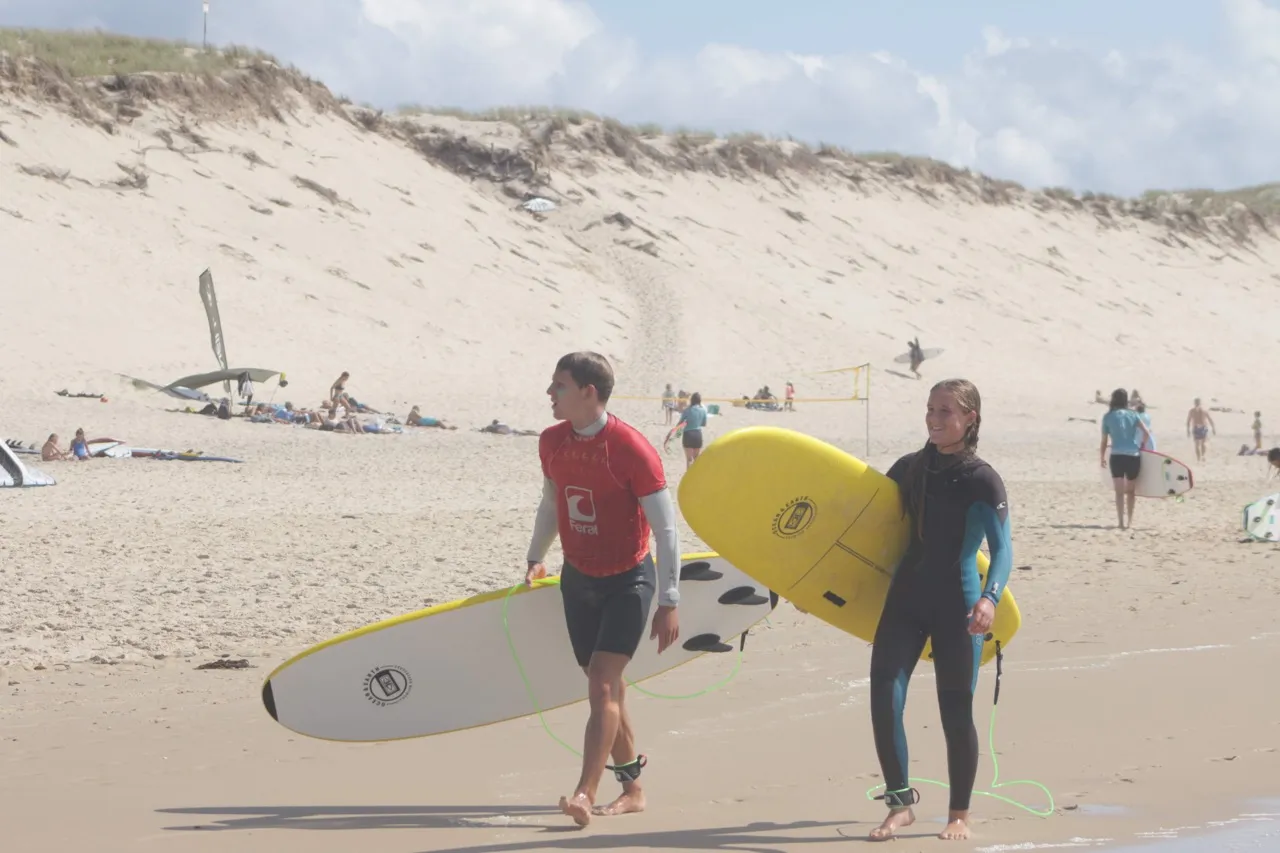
[(1261, 520), (1160, 476), (451, 667)]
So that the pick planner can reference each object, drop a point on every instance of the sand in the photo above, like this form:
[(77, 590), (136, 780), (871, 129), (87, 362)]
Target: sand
[(1139, 690)]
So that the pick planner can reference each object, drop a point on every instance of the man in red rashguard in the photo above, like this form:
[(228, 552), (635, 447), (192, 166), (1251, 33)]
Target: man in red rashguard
[(603, 489)]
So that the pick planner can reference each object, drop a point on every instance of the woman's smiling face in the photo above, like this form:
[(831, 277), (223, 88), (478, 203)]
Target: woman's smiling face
[(946, 420)]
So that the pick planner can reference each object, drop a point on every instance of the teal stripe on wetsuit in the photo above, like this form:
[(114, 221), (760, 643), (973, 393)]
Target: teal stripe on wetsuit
[(932, 592)]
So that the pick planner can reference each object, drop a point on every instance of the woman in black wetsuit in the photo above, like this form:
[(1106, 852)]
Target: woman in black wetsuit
[(954, 500)]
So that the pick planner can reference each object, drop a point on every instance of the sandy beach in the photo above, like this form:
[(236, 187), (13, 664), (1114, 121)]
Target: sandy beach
[(1139, 690)]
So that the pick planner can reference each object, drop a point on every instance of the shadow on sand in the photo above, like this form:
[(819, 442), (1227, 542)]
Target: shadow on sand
[(758, 837)]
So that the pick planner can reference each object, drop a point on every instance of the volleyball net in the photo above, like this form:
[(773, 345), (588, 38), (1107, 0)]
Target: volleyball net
[(838, 385)]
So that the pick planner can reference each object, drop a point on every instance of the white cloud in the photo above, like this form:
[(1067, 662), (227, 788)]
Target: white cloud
[(1042, 112)]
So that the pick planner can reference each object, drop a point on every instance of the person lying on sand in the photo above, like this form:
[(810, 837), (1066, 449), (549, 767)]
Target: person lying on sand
[(266, 413), (416, 418), (498, 428), (51, 452)]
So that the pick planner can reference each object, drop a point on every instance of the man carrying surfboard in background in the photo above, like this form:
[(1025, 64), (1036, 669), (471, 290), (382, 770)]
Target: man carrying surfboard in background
[(603, 489), (917, 356)]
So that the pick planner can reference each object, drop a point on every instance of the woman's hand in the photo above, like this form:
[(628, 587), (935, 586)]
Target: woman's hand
[(981, 616)]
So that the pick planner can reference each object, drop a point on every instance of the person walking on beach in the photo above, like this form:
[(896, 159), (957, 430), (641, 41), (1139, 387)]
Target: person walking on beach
[(1199, 423), (694, 419), (954, 500), (1127, 433), (603, 489), (917, 356)]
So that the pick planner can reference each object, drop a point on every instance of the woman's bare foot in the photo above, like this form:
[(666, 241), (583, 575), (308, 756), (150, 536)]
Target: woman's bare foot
[(897, 819), (957, 828), (578, 808), (628, 802)]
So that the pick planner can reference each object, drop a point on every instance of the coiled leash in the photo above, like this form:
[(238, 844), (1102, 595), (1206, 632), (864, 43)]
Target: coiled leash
[(910, 796)]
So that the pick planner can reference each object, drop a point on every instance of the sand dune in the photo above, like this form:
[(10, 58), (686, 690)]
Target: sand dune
[(396, 247)]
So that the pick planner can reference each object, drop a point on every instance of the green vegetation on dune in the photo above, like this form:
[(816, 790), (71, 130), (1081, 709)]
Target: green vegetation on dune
[(93, 53), (1263, 198), (97, 54)]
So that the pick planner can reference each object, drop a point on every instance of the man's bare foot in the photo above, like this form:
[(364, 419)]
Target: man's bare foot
[(578, 808), (628, 802), (956, 830), (897, 819)]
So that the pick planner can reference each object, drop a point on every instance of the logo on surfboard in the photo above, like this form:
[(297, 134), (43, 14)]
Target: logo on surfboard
[(387, 685), (794, 518)]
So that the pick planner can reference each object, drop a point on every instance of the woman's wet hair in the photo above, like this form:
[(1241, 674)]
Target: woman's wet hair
[(1273, 455), (969, 400), (1119, 399), (696, 399)]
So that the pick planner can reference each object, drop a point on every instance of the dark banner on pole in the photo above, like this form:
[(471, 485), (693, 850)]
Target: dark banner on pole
[(210, 300)]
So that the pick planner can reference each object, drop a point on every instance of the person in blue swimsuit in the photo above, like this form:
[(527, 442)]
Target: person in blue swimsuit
[(1127, 434), (953, 500)]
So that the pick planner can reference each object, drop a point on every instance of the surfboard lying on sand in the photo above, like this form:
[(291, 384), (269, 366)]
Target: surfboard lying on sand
[(1160, 476), (1261, 520), (452, 667), (812, 523), (905, 358)]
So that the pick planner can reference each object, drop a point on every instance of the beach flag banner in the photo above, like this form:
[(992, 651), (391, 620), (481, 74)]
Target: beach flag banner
[(210, 300)]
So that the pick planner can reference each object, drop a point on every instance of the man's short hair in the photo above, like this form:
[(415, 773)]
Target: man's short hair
[(589, 368)]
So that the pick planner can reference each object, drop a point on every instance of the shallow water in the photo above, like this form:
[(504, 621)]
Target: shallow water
[(1255, 829)]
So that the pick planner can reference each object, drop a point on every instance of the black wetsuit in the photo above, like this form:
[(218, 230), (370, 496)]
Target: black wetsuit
[(933, 590)]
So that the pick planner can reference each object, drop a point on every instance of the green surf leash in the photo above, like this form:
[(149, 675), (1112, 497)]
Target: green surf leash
[(506, 629), (996, 784)]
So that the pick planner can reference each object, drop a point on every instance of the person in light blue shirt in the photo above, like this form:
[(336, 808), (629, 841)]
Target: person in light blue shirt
[(1126, 432), (693, 419)]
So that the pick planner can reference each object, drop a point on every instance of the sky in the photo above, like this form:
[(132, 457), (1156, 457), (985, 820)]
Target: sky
[(1113, 96)]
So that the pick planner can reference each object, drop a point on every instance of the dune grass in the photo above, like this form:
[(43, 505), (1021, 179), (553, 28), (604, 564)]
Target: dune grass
[(1263, 198), (93, 53)]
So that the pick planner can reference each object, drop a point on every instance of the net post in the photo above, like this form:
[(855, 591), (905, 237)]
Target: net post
[(867, 413)]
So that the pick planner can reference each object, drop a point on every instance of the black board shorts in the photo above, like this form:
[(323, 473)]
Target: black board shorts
[(1125, 467), (607, 614), (692, 438)]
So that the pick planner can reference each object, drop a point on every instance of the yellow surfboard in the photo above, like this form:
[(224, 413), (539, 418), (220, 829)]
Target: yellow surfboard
[(817, 526)]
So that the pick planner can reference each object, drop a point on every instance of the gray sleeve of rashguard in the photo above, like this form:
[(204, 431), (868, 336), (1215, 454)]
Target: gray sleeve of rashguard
[(661, 514), (545, 525)]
